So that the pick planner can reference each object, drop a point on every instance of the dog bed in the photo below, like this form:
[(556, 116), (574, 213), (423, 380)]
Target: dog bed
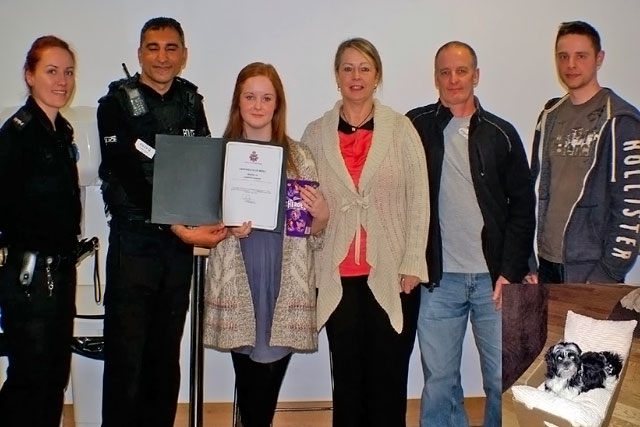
[(591, 408)]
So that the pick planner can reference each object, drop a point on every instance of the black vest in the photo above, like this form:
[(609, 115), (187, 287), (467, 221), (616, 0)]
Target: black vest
[(174, 113)]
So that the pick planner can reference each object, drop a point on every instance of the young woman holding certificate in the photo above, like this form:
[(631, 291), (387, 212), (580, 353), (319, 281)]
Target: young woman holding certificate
[(260, 299)]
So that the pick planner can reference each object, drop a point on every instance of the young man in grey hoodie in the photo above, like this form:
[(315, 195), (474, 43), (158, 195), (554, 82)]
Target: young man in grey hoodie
[(586, 165)]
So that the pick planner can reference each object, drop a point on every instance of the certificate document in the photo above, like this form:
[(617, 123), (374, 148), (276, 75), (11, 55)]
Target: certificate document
[(252, 186)]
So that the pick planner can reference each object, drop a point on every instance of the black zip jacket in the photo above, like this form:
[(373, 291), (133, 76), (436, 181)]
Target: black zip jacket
[(502, 184), (40, 205)]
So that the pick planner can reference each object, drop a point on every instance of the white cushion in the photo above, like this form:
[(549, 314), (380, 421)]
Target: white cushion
[(587, 409), (599, 335), (582, 413)]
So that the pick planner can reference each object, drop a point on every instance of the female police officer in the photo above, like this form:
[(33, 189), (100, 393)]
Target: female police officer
[(40, 221)]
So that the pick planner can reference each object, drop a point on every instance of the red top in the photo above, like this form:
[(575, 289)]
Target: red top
[(354, 147)]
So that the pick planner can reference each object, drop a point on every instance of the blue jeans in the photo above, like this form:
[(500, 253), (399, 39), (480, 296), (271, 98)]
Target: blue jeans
[(441, 328)]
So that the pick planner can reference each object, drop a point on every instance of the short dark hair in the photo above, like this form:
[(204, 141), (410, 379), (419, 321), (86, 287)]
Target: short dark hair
[(582, 28), (456, 43), (161, 23)]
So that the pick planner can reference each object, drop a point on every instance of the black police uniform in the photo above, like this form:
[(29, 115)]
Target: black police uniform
[(40, 211), (148, 267)]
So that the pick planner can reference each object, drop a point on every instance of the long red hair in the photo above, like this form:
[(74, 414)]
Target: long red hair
[(278, 123)]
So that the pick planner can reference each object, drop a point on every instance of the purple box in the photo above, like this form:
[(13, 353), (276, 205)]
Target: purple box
[(297, 219)]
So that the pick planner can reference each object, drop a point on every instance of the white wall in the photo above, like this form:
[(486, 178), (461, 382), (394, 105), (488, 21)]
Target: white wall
[(513, 39)]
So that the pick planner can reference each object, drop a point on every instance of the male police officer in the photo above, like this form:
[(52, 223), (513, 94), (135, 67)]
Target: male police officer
[(148, 267)]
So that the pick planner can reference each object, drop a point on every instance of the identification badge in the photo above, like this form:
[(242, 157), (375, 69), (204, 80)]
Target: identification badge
[(145, 149)]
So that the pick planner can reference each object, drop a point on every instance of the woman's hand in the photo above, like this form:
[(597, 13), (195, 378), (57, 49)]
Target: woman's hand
[(315, 203), (408, 283), (241, 231), (207, 236)]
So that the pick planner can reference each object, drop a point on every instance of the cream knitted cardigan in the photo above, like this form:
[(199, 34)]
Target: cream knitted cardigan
[(392, 204), (229, 319)]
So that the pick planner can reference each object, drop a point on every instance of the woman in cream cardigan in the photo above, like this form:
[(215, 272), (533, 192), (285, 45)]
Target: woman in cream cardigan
[(374, 177), (260, 297)]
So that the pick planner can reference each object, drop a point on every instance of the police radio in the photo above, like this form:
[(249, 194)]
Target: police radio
[(28, 266), (136, 101), (3, 256)]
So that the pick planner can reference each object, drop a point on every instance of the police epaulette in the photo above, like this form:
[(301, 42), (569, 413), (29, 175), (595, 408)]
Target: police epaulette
[(68, 129), (21, 118), (186, 83), (117, 84)]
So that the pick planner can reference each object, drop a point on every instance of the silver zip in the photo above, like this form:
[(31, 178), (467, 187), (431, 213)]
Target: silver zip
[(49, 275)]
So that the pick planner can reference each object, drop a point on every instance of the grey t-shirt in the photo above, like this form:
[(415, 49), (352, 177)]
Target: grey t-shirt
[(460, 217), (571, 150)]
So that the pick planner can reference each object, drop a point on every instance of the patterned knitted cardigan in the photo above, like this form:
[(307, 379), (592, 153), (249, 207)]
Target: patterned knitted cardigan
[(391, 203), (229, 319)]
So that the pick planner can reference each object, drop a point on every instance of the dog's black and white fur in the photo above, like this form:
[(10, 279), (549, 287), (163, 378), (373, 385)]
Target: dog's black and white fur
[(564, 368), (571, 372), (600, 370)]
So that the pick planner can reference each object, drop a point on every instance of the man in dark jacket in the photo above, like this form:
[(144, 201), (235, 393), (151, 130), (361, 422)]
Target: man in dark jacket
[(586, 161), (480, 236), (148, 266)]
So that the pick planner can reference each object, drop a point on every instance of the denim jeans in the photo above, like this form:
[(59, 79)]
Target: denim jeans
[(441, 328)]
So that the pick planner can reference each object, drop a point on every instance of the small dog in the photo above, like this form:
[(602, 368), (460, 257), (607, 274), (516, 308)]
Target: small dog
[(571, 372), (564, 370), (600, 370)]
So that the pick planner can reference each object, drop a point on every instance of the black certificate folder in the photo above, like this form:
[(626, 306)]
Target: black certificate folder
[(187, 180)]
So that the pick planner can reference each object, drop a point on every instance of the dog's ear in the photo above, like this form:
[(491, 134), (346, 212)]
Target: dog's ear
[(548, 357), (578, 348)]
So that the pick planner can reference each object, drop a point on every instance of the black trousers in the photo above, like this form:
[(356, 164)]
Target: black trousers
[(370, 359), (258, 386), (550, 272), (146, 301), (38, 329)]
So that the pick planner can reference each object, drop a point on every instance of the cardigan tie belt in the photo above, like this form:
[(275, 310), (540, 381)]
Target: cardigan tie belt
[(359, 203)]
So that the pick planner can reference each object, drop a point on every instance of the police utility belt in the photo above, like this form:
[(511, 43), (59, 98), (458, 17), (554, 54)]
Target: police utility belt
[(38, 260), (30, 261)]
